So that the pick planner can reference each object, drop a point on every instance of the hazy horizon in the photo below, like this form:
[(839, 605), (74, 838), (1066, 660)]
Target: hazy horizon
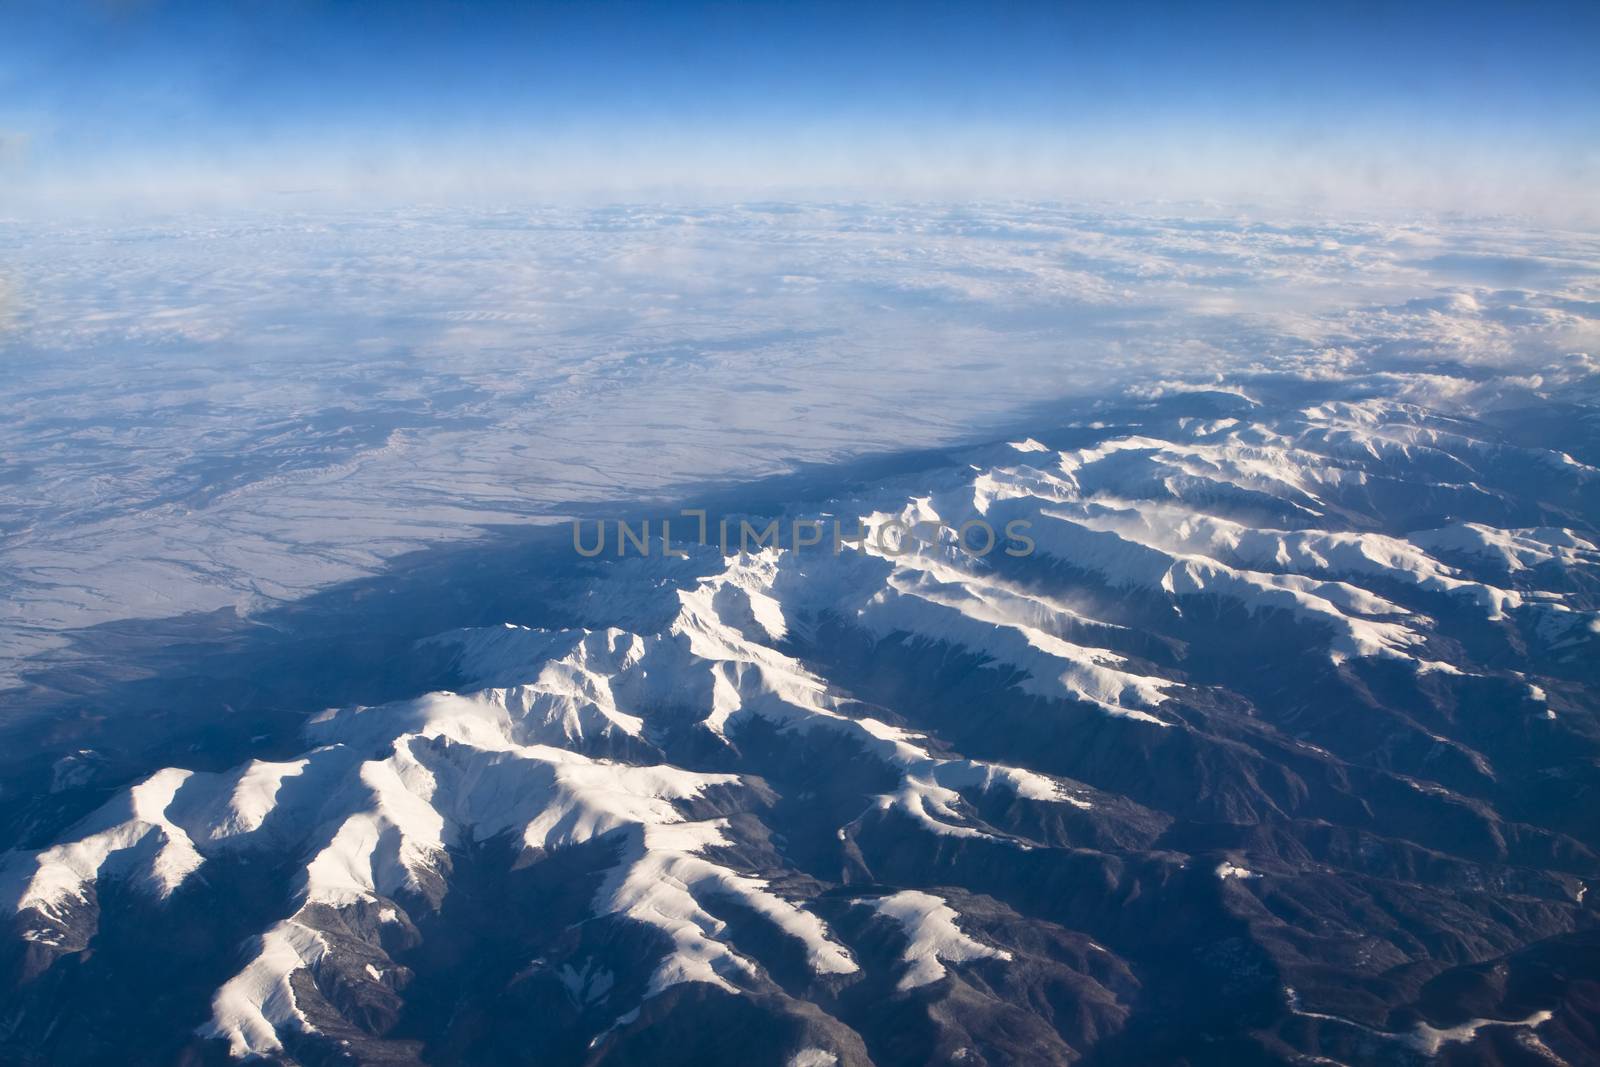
[(1477, 107)]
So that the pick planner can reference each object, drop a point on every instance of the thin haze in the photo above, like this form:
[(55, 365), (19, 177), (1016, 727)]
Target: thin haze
[(1482, 107)]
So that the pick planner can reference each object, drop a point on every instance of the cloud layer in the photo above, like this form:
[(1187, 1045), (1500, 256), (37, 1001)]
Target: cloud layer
[(231, 411)]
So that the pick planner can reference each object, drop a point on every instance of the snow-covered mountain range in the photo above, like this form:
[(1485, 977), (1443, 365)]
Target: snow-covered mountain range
[(1281, 745)]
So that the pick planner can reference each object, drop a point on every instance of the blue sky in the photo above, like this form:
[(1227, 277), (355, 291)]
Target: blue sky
[(1383, 102)]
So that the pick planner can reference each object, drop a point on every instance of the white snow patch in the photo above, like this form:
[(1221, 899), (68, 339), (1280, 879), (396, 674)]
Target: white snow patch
[(1429, 1040), (250, 1008), (935, 939), (130, 836), (1423, 1037), (813, 1057)]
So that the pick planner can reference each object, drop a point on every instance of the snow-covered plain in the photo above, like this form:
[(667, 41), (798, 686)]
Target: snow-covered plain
[(230, 412)]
